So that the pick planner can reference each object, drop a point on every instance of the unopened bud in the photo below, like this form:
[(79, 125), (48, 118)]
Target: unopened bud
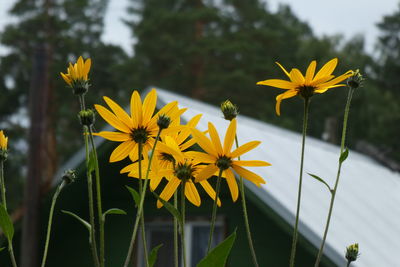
[(352, 252), (69, 176), (356, 80), (86, 117), (229, 110), (163, 121)]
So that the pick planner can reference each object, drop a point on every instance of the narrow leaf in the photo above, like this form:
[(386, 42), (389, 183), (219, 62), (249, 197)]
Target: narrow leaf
[(113, 211), (344, 155), (84, 223), (171, 209), (321, 180), (6, 223), (218, 255), (153, 255), (91, 163), (135, 195), (1, 249)]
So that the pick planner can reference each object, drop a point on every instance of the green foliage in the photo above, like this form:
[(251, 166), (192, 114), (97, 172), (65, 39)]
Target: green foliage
[(171, 209), (153, 255), (217, 256), (113, 211), (344, 155), (6, 224), (135, 195), (316, 177), (79, 219)]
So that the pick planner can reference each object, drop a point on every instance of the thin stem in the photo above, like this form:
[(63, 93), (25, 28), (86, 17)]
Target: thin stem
[(343, 141), (53, 203), (176, 254), (11, 251), (140, 207), (98, 198), (93, 243), (183, 243), (3, 185), (348, 263), (295, 232), (245, 216), (140, 152), (214, 211)]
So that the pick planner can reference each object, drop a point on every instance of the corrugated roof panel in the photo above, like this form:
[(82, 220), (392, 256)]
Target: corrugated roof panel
[(367, 206)]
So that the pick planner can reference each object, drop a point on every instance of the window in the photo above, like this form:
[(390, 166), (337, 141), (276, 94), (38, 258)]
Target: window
[(196, 238)]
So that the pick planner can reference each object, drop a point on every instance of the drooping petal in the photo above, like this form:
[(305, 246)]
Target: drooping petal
[(206, 172), (111, 119), (192, 194), (327, 69), (215, 138), (119, 112), (169, 190), (284, 70), (233, 187), (251, 163), (310, 72), (249, 175), (244, 148), (210, 191), (280, 97), (114, 136), (230, 136), (122, 151), (278, 83)]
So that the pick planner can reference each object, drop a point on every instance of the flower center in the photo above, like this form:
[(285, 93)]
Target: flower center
[(184, 171), (223, 163), (306, 91), (140, 135)]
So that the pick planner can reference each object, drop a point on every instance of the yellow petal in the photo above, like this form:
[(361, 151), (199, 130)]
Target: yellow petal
[(296, 77), (86, 69), (66, 78), (284, 70), (204, 142), (280, 97), (244, 148), (206, 172), (249, 175), (80, 67), (136, 109), (178, 156), (230, 136), (114, 136), (278, 83), (336, 80), (215, 138), (149, 105), (210, 191), (111, 119), (119, 112), (200, 156), (122, 151), (188, 144), (310, 72), (168, 191), (164, 110), (134, 153), (327, 69), (233, 187), (251, 163), (192, 194), (324, 89)]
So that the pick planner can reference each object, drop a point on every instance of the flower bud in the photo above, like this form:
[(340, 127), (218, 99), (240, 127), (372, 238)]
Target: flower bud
[(356, 80), (86, 117), (229, 110), (352, 252), (69, 176), (3, 146), (163, 121)]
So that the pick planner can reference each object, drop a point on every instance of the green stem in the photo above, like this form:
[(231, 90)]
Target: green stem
[(53, 203), (140, 207), (295, 232), (245, 216), (176, 254), (3, 185), (214, 211), (98, 198), (146, 257), (344, 130), (93, 243), (183, 243), (348, 263), (11, 251)]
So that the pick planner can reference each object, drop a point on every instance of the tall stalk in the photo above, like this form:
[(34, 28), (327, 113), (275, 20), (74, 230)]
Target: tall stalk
[(183, 243), (176, 254), (140, 206), (245, 216), (214, 211), (295, 232), (53, 203), (333, 195)]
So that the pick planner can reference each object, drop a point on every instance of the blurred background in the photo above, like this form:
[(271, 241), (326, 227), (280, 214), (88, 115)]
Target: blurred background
[(211, 50)]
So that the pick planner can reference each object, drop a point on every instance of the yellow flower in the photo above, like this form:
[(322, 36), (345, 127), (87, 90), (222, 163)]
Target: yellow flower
[(221, 158), (186, 169), (306, 86), (77, 72), (3, 141), (139, 128)]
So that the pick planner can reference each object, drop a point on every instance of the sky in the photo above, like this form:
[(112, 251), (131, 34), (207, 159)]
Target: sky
[(347, 17)]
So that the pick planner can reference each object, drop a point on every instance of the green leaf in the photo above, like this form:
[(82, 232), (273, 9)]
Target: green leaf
[(84, 223), (153, 255), (135, 195), (6, 223), (218, 255), (91, 164), (113, 211), (344, 155), (321, 180), (171, 209), (1, 249)]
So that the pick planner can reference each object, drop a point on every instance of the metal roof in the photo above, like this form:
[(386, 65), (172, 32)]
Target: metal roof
[(366, 210)]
